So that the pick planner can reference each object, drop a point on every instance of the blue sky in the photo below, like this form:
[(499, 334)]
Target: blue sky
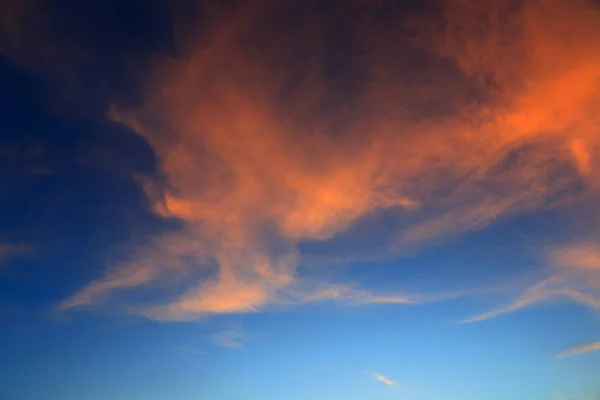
[(324, 200)]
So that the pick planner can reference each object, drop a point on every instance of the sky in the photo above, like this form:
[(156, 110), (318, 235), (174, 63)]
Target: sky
[(326, 199)]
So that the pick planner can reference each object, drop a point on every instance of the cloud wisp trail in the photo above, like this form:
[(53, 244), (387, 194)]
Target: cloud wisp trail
[(578, 350)]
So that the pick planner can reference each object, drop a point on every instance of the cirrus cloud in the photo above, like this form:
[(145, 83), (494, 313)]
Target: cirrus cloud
[(586, 348)]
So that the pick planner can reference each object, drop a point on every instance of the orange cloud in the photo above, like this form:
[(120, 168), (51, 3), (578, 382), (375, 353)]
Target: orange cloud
[(580, 256), (262, 147)]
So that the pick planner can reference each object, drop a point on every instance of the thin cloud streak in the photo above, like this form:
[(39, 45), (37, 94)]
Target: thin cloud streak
[(233, 338), (191, 351), (11, 250), (554, 289), (576, 278), (578, 350)]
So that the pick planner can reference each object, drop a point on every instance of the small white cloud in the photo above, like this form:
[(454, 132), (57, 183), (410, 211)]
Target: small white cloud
[(384, 379)]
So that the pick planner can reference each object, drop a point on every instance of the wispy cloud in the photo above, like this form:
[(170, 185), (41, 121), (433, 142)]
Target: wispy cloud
[(191, 350), (348, 295), (234, 338), (586, 348), (11, 250), (554, 289), (542, 291), (575, 269), (384, 379)]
